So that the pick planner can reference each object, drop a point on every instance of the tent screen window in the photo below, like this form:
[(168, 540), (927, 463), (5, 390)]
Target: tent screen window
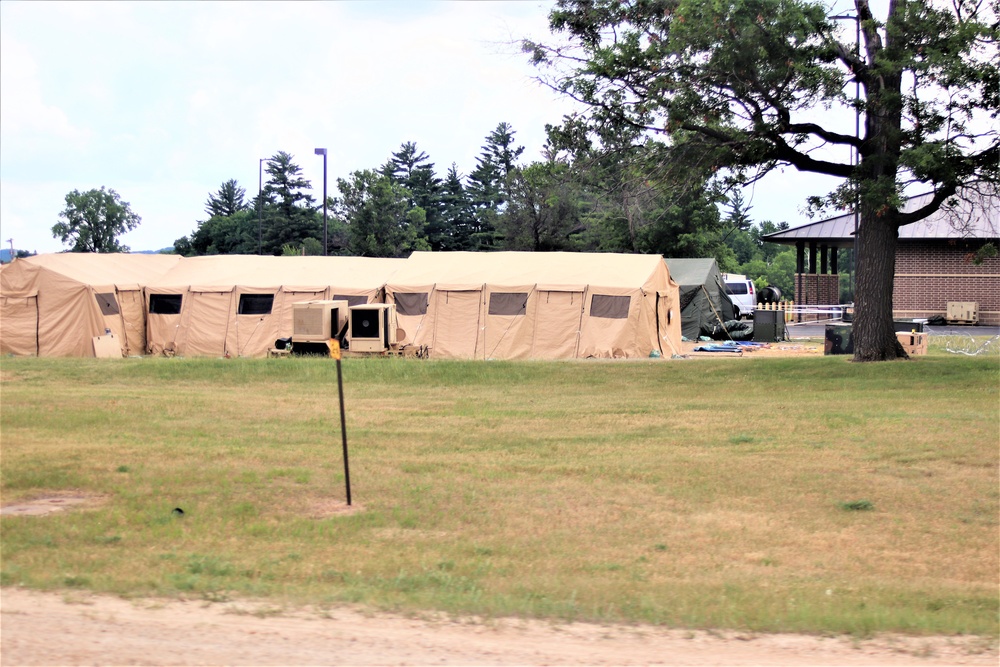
[(255, 304), (108, 303), (611, 307), (411, 303), (165, 304), (508, 303), (351, 299)]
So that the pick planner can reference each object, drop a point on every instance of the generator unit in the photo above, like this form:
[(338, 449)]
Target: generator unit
[(318, 321), (372, 327), (962, 312)]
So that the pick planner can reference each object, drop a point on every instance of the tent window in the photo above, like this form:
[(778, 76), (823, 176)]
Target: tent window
[(255, 304), (351, 299), (411, 303), (165, 304), (108, 303), (508, 303), (611, 307)]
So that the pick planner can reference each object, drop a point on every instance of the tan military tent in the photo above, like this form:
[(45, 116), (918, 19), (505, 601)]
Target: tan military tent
[(238, 305), (522, 305), (55, 305)]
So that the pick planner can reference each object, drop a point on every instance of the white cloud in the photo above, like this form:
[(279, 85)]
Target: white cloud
[(30, 123)]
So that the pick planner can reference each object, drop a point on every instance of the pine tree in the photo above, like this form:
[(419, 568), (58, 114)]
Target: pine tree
[(457, 214), (413, 171), (229, 200), (289, 214), (489, 183)]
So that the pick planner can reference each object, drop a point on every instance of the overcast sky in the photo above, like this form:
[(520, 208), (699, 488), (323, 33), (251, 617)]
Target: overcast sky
[(163, 102)]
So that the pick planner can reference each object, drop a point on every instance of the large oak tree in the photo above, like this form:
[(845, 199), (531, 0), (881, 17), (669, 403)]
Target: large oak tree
[(750, 86), (93, 220)]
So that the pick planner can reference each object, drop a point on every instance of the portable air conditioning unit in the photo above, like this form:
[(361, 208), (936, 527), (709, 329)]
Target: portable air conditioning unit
[(963, 312), (318, 321), (373, 327)]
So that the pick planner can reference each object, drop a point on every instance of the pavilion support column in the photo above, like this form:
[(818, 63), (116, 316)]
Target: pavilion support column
[(800, 269), (824, 251)]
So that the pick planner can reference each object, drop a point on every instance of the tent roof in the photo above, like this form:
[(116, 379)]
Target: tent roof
[(226, 271), (692, 271), (528, 268), (104, 268)]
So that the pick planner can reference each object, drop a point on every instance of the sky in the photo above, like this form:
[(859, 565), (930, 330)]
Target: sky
[(163, 102)]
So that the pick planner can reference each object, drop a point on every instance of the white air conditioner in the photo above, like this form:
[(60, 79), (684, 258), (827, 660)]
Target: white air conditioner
[(318, 321), (372, 328)]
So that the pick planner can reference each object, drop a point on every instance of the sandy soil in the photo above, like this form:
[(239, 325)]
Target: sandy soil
[(81, 629)]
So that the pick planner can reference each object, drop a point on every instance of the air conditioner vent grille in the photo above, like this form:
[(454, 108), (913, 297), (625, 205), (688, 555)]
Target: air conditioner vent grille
[(308, 322)]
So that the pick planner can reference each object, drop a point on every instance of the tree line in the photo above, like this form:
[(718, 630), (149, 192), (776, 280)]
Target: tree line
[(566, 201)]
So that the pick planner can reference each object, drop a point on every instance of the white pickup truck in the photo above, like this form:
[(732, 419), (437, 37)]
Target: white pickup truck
[(741, 292)]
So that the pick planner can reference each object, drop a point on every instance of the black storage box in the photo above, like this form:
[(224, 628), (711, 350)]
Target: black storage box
[(768, 326), (907, 326)]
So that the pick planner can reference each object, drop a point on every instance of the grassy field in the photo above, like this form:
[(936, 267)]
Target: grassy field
[(793, 494)]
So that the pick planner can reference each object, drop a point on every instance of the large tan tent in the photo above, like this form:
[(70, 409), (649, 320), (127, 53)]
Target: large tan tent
[(238, 305), (522, 305), (55, 305)]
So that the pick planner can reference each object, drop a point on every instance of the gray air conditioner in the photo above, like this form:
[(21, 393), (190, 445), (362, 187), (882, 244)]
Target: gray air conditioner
[(372, 328), (318, 321)]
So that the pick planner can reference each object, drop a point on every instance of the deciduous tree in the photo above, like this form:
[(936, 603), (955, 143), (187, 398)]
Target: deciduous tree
[(93, 220), (543, 209), (377, 214)]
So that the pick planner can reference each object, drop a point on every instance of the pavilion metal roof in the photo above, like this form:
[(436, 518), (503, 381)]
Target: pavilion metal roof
[(978, 219)]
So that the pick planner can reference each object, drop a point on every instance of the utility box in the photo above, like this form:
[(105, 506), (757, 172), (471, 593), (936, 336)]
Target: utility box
[(962, 312), (914, 343), (768, 326)]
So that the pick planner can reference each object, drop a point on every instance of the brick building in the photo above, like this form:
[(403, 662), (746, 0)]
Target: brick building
[(934, 260)]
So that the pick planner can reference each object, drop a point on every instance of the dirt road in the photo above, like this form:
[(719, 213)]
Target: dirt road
[(81, 629)]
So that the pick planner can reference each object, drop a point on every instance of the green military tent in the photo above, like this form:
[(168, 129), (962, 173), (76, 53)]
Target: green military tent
[(703, 299)]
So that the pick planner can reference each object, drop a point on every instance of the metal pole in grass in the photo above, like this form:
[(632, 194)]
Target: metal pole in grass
[(335, 353)]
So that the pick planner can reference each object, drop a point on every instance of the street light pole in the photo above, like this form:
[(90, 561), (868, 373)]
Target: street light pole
[(260, 207), (856, 153), (322, 151)]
